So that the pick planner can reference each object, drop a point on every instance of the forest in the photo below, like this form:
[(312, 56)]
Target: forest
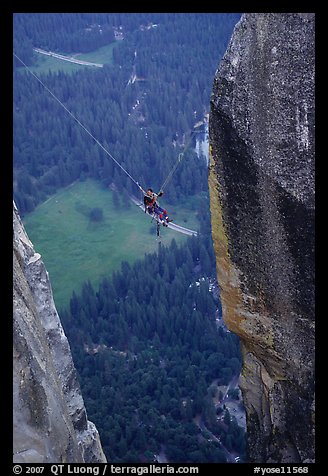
[(176, 62), (154, 352), (146, 344)]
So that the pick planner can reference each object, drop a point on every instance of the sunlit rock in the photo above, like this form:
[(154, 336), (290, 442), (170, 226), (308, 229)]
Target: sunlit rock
[(49, 418), (261, 179)]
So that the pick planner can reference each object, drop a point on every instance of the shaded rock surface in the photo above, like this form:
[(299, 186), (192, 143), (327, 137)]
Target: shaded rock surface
[(261, 179), (49, 418)]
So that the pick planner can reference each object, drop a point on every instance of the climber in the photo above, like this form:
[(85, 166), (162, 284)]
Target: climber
[(152, 207)]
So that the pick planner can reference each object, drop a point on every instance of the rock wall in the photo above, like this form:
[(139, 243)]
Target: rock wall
[(49, 418), (261, 180)]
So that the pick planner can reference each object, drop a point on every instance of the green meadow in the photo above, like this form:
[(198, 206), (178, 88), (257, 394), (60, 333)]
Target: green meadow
[(45, 64), (75, 249), (102, 55)]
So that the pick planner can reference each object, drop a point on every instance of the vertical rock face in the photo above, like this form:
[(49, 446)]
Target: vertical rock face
[(49, 420), (261, 179)]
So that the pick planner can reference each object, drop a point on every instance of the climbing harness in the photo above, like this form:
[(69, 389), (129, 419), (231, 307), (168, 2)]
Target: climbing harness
[(170, 175)]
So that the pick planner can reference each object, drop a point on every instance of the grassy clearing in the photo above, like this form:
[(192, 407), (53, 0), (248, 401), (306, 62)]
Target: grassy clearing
[(102, 55), (45, 64), (75, 249)]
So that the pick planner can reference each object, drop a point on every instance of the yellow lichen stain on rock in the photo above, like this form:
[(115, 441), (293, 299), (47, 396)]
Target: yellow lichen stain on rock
[(262, 215), (231, 297), (243, 314)]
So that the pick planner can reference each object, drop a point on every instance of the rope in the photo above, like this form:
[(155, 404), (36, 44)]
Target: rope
[(80, 124), (180, 156)]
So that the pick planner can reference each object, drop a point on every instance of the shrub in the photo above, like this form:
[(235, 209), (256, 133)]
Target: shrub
[(96, 214)]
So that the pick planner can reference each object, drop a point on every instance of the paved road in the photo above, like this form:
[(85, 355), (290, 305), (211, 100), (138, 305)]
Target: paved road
[(200, 423), (71, 59)]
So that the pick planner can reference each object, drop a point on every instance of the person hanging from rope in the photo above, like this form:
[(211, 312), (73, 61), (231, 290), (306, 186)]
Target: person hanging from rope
[(149, 197), (152, 207)]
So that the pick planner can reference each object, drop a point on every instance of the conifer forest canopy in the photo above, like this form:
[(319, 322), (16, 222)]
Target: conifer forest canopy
[(146, 344)]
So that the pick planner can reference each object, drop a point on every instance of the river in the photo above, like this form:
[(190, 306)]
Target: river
[(202, 144)]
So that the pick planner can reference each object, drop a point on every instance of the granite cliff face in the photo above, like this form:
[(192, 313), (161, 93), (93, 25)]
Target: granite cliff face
[(49, 418), (261, 179)]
